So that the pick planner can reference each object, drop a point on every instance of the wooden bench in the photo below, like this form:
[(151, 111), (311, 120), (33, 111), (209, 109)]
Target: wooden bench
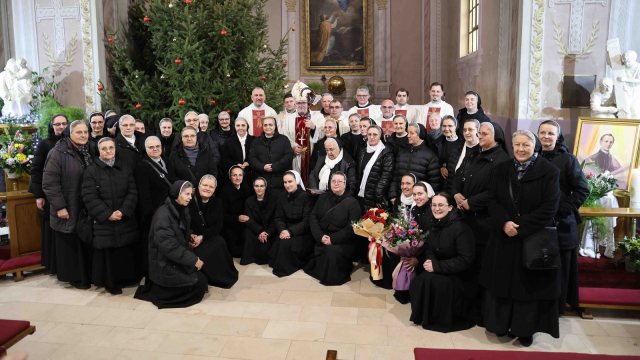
[(12, 331), (625, 299), (19, 264)]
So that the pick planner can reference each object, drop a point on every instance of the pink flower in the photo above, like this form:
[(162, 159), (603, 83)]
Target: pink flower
[(21, 149), (25, 161), (590, 175), (414, 243), (411, 232), (397, 231), (10, 148), (414, 223)]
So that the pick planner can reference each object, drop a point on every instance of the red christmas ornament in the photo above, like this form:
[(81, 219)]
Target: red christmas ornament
[(213, 102), (110, 39), (181, 102), (223, 33), (138, 106), (188, 2), (229, 111), (293, 29), (100, 87), (264, 78), (146, 19), (178, 61), (284, 63)]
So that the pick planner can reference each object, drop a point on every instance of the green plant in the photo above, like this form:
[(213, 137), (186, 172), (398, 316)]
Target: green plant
[(49, 107), (316, 87), (44, 89), (629, 248)]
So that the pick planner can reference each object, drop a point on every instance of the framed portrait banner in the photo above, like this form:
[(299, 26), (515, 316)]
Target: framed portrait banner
[(337, 36), (608, 145)]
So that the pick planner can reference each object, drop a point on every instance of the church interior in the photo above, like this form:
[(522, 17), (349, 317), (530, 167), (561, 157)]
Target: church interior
[(526, 61)]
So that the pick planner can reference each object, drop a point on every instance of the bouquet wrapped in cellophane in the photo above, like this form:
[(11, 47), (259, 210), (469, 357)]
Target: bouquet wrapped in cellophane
[(373, 226), (405, 239)]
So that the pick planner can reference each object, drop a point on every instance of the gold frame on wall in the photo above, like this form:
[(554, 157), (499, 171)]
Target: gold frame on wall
[(633, 164), (307, 69)]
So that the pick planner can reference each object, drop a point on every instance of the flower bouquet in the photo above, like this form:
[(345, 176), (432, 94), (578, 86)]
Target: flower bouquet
[(600, 228), (373, 226), (629, 249), (404, 239), (16, 153)]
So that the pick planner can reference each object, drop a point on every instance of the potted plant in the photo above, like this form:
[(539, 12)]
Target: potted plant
[(629, 248)]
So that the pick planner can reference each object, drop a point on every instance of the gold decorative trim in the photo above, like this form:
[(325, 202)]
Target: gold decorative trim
[(585, 51), (291, 5), (382, 4), (68, 58), (85, 12), (536, 53), (304, 46)]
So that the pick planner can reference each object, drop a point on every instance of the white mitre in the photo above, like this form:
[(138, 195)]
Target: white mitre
[(301, 92)]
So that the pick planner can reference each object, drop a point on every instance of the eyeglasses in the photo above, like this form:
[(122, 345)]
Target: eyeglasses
[(189, 136), (337, 182), (330, 150), (361, 95), (335, 107), (386, 107), (157, 147), (224, 119)]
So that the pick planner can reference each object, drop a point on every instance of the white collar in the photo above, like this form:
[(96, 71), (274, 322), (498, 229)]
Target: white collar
[(401, 136), (471, 113), (356, 133), (402, 107), (436, 103), (454, 139), (606, 152), (263, 107), (242, 137), (131, 140), (472, 146)]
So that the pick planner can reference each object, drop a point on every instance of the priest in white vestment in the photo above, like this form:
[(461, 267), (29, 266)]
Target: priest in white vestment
[(436, 105), (386, 120), (364, 108), (335, 113), (289, 108), (256, 112), (403, 108)]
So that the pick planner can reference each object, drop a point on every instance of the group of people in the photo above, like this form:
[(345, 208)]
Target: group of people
[(289, 200)]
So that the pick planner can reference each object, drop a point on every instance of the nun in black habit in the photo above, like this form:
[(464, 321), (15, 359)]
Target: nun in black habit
[(331, 228), (294, 242), (206, 214), (234, 195), (260, 230), (174, 269)]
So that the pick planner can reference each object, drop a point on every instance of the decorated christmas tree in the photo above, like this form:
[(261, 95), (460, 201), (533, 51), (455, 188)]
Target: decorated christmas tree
[(202, 55)]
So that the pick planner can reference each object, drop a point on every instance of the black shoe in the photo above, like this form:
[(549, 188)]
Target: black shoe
[(501, 335), (526, 341), (115, 290), (81, 286), (511, 336)]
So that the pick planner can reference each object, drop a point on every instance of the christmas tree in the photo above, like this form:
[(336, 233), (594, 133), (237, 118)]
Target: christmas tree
[(202, 55)]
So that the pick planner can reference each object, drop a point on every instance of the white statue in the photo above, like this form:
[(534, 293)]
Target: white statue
[(631, 84), (603, 102), (16, 88)]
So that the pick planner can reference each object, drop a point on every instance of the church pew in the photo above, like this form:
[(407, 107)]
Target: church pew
[(17, 265), (12, 331)]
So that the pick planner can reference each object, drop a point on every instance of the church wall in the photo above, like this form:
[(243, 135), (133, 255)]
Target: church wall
[(274, 10), (406, 48)]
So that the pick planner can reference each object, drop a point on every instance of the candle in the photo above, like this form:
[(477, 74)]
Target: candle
[(634, 189)]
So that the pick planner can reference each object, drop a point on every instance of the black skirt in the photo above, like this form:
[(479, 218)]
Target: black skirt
[(520, 318), (116, 268), (389, 263), (218, 267), (173, 297), (73, 259), (48, 249), (331, 264), (232, 234), (254, 250), (290, 255), (569, 293), (439, 305)]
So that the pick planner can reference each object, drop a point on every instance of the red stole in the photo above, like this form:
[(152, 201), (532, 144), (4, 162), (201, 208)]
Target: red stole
[(325, 115), (401, 112), (258, 116), (363, 112), (387, 127), (432, 110), (303, 138)]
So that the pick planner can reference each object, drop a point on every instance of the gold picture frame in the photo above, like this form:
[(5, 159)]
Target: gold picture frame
[(310, 68), (590, 134)]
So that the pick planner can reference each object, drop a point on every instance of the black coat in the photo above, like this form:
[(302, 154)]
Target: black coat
[(275, 151), (219, 137), (396, 143), (347, 166), (106, 189), (152, 189), (261, 215), (449, 160), (166, 143), (479, 115), (129, 155), (332, 216), (292, 213), (171, 260), (183, 170), (423, 216), (574, 190), (320, 152), (351, 142), (61, 182), (420, 161), (231, 154), (209, 224), (536, 196), (377, 187), (233, 200), (205, 140), (37, 166)]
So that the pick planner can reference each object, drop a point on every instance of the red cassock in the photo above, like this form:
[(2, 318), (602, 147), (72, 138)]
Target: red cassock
[(303, 138), (258, 117)]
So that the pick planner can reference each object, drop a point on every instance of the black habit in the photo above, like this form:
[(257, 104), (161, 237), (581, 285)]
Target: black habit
[(233, 200), (261, 215)]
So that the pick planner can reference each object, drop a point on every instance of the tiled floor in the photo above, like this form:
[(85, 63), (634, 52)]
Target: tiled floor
[(264, 317)]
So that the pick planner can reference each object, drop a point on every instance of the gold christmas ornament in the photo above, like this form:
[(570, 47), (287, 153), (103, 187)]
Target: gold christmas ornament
[(336, 84)]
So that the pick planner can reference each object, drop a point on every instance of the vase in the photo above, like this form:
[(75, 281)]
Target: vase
[(630, 264), (14, 179)]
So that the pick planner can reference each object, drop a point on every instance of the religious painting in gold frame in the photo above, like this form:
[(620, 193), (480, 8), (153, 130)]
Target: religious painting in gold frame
[(336, 36), (619, 137)]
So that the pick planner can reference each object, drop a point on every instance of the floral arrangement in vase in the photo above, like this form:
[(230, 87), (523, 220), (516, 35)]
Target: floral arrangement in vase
[(629, 248), (16, 152), (599, 186), (374, 227), (405, 239)]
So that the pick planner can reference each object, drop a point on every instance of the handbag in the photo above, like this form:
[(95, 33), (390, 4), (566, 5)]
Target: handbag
[(540, 251)]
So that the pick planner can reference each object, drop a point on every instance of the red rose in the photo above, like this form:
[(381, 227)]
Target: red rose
[(380, 211), (383, 221), (375, 218)]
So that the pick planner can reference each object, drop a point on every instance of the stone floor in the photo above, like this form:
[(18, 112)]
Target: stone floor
[(264, 317)]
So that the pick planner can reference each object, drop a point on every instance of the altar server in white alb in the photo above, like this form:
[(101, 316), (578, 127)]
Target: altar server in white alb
[(364, 108), (303, 128), (403, 108), (437, 105), (386, 120), (335, 113), (257, 111)]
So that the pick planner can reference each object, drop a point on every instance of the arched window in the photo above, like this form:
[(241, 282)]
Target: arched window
[(469, 26)]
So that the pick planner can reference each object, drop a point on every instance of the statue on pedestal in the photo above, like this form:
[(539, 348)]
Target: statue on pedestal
[(16, 88), (631, 83), (603, 101)]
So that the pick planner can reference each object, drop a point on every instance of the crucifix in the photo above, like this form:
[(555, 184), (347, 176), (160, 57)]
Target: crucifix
[(58, 13), (577, 16)]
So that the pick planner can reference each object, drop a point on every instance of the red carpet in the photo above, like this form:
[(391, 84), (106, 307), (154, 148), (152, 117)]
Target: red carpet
[(606, 274), (437, 354)]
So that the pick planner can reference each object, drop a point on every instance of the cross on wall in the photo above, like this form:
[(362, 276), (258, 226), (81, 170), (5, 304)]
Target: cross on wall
[(58, 13), (577, 18)]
